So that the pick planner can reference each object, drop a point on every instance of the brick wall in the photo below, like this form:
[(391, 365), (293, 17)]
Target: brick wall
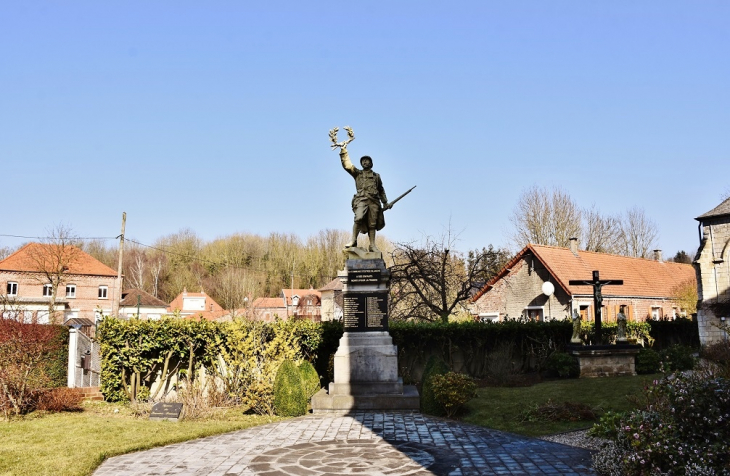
[(30, 294), (712, 265)]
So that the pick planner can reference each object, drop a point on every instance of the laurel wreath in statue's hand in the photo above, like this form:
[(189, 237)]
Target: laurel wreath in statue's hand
[(343, 144)]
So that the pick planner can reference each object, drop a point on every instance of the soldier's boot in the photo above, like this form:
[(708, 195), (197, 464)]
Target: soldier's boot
[(371, 235), (353, 243)]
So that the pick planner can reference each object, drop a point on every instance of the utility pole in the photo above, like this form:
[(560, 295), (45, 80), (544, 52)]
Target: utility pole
[(118, 293)]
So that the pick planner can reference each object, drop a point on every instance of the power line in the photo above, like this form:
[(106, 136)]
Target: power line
[(70, 238)]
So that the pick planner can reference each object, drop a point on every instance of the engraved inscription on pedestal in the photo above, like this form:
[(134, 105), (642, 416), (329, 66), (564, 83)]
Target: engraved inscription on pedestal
[(363, 312), (363, 276)]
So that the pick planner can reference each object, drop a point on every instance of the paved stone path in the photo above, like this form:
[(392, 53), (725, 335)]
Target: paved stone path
[(361, 443)]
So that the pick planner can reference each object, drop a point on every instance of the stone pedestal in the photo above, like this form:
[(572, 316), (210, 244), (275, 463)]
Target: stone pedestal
[(366, 362), (605, 360)]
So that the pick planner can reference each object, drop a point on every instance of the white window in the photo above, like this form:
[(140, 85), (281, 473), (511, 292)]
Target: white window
[(47, 290), (103, 292), (70, 290), (656, 312), (12, 288), (489, 316), (534, 313)]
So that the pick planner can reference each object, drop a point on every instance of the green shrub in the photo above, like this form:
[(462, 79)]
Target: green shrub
[(452, 391), (678, 357), (310, 379), (289, 397), (648, 361), (429, 404), (607, 426), (563, 365)]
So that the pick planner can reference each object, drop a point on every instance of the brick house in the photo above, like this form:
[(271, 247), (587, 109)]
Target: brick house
[(712, 265), (291, 303), (43, 279), (517, 290), (197, 306), (267, 309)]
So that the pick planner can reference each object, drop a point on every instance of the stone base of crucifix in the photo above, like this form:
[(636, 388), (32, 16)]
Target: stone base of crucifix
[(605, 360)]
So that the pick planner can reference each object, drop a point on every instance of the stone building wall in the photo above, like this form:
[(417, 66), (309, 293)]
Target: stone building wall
[(712, 265), (520, 292)]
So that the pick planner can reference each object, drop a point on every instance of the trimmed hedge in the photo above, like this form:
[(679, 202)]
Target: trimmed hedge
[(289, 397)]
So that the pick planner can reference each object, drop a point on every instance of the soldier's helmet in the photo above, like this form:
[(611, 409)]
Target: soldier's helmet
[(362, 159)]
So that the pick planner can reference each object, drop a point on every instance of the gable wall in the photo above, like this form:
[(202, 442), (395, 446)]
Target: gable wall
[(712, 265), (520, 288)]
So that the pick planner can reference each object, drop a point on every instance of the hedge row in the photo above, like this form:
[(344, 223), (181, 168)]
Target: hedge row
[(136, 353)]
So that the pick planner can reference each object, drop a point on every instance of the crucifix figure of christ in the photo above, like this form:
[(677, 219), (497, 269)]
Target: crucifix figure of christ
[(597, 284)]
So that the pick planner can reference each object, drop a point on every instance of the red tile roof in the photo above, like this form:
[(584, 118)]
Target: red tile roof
[(35, 257), (641, 277), (265, 302)]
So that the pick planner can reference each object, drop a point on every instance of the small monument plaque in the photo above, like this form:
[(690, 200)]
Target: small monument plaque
[(166, 411)]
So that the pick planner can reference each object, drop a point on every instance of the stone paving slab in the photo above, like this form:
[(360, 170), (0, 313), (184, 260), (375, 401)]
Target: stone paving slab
[(360, 443)]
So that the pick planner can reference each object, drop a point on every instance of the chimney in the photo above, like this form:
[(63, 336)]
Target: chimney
[(658, 255), (574, 246)]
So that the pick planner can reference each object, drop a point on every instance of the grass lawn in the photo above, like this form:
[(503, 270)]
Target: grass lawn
[(76, 443), (503, 408)]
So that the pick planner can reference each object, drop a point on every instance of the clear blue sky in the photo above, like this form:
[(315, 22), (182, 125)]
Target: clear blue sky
[(214, 115)]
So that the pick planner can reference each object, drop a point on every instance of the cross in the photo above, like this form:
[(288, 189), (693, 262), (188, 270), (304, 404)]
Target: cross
[(597, 284)]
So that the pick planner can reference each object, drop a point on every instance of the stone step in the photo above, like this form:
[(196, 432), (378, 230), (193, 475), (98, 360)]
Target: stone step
[(90, 393)]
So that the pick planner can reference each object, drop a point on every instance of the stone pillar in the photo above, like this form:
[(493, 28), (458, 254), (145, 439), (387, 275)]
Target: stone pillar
[(366, 362)]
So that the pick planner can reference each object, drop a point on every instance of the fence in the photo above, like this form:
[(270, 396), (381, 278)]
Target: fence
[(84, 360)]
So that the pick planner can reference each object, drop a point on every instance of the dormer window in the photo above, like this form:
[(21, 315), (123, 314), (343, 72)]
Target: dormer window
[(295, 300)]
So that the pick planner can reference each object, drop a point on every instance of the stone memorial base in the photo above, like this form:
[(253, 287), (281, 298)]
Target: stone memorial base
[(366, 377), (366, 362), (605, 360)]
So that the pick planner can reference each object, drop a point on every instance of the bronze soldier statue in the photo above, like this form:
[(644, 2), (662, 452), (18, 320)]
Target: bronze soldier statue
[(366, 204), (370, 201)]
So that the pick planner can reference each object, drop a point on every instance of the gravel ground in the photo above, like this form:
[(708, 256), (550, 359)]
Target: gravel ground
[(578, 439)]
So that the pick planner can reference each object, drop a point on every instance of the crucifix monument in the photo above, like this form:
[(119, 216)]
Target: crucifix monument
[(600, 360), (597, 284)]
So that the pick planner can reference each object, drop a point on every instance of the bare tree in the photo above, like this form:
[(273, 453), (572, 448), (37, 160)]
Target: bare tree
[(136, 270), (638, 233), (5, 251), (601, 233), (545, 217), (52, 262), (430, 281), (233, 287)]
